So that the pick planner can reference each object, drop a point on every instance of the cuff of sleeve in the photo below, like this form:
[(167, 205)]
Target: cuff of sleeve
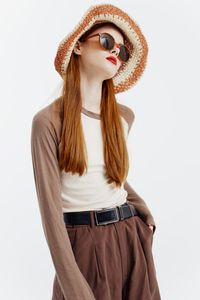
[(154, 228), (150, 221)]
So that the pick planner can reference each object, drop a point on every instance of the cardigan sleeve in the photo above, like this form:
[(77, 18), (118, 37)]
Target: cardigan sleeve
[(140, 205), (46, 170), (132, 196)]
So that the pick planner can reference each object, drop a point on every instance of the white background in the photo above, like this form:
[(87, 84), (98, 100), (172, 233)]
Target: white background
[(164, 140)]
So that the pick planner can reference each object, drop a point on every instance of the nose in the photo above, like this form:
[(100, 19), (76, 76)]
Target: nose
[(115, 50)]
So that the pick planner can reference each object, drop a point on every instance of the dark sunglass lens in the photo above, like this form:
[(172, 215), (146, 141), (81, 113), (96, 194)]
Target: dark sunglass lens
[(124, 53), (107, 41)]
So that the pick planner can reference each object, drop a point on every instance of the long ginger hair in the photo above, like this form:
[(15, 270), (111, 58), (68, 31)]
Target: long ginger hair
[(72, 149)]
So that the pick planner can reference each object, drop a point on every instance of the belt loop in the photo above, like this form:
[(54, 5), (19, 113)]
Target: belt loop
[(92, 221), (121, 214)]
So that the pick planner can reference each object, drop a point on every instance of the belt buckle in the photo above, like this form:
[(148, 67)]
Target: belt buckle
[(106, 222)]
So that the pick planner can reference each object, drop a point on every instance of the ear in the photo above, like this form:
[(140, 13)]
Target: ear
[(77, 48)]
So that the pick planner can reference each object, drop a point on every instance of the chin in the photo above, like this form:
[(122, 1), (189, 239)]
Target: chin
[(110, 74), (105, 71), (110, 70)]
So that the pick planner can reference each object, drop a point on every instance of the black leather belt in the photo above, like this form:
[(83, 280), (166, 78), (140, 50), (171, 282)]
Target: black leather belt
[(102, 217)]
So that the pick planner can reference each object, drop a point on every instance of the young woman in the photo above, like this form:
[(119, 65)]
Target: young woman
[(98, 229)]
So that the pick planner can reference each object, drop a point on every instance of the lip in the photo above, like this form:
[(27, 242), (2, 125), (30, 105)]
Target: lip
[(112, 59)]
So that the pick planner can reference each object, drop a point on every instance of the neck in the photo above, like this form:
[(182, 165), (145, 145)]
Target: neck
[(91, 93)]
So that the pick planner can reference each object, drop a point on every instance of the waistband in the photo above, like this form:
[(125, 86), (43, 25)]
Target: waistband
[(101, 217)]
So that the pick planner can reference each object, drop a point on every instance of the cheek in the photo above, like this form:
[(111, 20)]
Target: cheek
[(88, 55), (94, 57)]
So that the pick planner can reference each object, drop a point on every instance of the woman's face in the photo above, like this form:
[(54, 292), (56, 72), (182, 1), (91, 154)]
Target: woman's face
[(92, 56)]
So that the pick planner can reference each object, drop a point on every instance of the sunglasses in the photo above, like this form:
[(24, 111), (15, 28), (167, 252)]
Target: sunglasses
[(107, 41)]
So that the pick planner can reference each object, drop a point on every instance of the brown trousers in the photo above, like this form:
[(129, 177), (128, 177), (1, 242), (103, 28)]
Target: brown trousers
[(116, 259)]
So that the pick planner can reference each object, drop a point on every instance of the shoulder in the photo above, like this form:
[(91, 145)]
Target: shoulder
[(47, 121), (127, 113)]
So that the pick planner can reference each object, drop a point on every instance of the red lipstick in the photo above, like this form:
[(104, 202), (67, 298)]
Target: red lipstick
[(112, 59)]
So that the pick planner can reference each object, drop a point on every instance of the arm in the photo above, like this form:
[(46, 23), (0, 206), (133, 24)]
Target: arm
[(48, 187), (132, 196), (140, 205)]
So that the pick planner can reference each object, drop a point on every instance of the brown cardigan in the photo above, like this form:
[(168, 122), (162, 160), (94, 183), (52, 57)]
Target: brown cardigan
[(45, 138)]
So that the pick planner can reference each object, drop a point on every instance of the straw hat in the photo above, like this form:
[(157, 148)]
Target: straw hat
[(129, 71)]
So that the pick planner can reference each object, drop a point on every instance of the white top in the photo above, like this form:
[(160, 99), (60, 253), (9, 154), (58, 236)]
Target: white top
[(91, 190)]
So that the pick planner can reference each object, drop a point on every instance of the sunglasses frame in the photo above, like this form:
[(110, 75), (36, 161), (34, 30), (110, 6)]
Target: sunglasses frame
[(103, 33)]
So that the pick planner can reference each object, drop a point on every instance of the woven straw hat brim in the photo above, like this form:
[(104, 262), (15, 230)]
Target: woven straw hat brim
[(130, 71)]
